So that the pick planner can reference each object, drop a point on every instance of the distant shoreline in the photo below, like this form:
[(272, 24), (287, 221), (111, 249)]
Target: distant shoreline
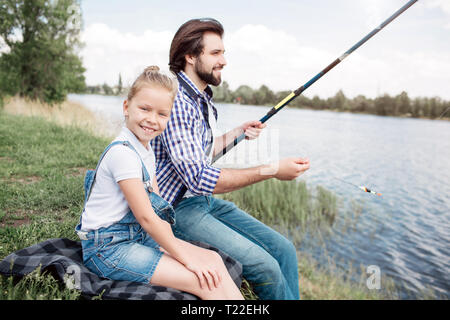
[(445, 116)]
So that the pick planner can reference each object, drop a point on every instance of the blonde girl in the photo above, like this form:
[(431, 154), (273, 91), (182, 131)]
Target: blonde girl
[(125, 226)]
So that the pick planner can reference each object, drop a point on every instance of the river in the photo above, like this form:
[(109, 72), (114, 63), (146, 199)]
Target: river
[(406, 231)]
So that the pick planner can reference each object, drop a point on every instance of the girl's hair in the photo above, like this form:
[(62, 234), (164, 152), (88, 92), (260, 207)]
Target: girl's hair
[(189, 40), (153, 78)]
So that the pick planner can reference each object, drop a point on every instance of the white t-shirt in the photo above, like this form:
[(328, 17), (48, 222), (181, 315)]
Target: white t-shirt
[(107, 204)]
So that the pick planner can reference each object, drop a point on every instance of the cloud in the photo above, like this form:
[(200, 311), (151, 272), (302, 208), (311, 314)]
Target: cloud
[(444, 5), (258, 55), (108, 52)]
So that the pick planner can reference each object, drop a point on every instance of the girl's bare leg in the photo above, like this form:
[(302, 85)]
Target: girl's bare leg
[(171, 273)]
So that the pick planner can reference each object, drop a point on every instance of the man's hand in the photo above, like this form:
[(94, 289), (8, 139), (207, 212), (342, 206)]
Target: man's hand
[(291, 168), (252, 129)]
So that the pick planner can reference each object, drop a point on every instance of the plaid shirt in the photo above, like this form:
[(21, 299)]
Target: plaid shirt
[(180, 151)]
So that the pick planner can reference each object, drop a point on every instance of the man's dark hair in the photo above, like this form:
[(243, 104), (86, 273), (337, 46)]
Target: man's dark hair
[(188, 40)]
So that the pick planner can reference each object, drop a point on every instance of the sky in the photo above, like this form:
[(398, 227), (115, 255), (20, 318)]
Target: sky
[(281, 44)]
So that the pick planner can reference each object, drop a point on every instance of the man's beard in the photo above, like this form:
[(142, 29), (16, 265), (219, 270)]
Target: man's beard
[(205, 76)]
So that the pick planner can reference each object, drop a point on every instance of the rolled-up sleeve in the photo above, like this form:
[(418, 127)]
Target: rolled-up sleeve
[(183, 141)]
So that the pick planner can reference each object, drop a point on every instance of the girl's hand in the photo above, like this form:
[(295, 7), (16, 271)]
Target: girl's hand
[(204, 263)]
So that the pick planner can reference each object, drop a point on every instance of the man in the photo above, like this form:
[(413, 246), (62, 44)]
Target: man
[(187, 179)]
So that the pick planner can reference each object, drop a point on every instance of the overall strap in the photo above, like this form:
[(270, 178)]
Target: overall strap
[(145, 174)]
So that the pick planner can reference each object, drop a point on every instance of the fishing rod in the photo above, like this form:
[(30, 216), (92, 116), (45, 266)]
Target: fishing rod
[(299, 91)]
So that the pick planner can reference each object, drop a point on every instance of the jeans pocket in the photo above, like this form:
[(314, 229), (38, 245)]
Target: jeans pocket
[(95, 267)]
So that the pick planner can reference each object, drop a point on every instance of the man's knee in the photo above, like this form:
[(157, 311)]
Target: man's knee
[(289, 248), (268, 271)]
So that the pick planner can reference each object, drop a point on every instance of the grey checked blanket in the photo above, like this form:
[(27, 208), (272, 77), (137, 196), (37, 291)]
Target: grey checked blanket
[(63, 259)]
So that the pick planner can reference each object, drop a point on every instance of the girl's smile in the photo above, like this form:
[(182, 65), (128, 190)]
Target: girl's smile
[(148, 112)]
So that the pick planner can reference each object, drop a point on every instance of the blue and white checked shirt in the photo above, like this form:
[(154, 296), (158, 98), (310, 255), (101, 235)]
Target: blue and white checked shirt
[(180, 151)]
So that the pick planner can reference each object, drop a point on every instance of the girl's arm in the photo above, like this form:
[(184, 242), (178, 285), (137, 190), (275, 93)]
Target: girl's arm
[(141, 207), (196, 259)]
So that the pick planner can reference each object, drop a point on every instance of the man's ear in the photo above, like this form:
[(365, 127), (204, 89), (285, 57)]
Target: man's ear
[(190, 59)]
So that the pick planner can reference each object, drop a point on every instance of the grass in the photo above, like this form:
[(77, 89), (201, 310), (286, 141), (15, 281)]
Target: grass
[(42, 166), (288, 206), (35, 286)]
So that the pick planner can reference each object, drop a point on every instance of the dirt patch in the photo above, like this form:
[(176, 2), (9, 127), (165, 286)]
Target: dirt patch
[(78, 171), (15, 218), (6, 159), (25, 180)]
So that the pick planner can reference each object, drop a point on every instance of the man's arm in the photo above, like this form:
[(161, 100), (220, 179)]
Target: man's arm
[(285, 169), (233, 179)]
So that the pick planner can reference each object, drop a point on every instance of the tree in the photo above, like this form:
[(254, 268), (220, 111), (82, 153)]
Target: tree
[(383, 105), (263, 96), (317, 103), (339, 101), (361, 104), (402, 104), (222, 93), (244, 94), (119, 85), (107, 89), (39, 39)]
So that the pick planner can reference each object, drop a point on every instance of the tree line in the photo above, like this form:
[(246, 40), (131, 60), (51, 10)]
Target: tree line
[(385, 105), (106, 89)]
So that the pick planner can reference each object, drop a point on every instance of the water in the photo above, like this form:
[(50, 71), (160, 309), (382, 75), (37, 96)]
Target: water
[(405, 232)]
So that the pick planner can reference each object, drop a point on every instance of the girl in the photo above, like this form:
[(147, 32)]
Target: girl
[(125, 225)]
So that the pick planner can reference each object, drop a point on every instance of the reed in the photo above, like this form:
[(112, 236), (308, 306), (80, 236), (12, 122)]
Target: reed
[(67, 113), (288, 206)]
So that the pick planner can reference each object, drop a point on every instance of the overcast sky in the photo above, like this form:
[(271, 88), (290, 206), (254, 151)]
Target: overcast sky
[(281, 43)]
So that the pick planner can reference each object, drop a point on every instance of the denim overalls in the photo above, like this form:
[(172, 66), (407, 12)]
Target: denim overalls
[(124, 250)]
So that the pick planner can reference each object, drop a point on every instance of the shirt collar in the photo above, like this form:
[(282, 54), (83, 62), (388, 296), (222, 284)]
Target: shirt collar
[(208, 90), (126, 134)]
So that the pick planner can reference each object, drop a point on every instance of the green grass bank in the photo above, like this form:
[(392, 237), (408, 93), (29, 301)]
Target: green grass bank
[(42, 166)]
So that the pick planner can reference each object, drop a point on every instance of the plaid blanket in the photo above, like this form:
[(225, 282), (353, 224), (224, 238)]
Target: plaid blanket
[(63, 259)]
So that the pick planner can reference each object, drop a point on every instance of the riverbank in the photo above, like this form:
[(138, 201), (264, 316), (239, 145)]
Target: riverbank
[(42, 166)]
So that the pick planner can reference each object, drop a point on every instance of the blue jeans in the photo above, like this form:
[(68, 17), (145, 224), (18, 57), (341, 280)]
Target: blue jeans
[(269, 260)]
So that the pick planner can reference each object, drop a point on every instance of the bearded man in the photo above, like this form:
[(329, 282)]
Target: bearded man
[(187, 179)]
